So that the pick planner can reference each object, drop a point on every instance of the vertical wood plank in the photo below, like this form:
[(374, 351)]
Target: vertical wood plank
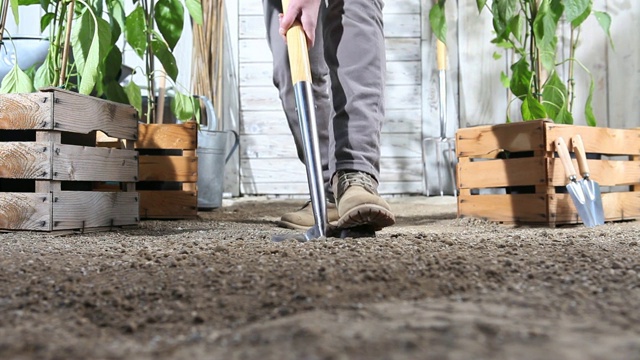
[(483, 99), (624, 65)]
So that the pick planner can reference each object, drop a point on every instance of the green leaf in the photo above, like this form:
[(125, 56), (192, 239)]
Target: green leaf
[(115, 92), (28, 2), (574, 9), (532, 109), (503, 12), (90, 41), (169, 17), (182, 106), (112, 64), (504, 79), (580, 19), (195, 10), (46, 20), (168, 61), (438, 21), (46, 74), (135, 31), (481, 4), (497, 55), (116, 12), (520, 84), (588, 108), (14, 10), (16, 81), (604, 19), (554, 95), (134, 94), (516, 25)]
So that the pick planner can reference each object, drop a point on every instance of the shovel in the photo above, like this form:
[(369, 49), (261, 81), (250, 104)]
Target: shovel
[(443, 147), (573, 187), (590, 188), (301, 77)]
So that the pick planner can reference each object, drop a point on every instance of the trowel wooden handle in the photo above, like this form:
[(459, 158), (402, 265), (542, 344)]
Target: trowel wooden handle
[(581, 155), (563, 152), (298, 51), (441, 55)]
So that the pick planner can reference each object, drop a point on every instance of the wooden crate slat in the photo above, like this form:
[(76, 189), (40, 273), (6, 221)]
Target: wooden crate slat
[(25, 160), (26, 111), (167, 136), (504, 208), (500, 173), (169, 168), (604, 172), (25, 211), (168, 204), (617, 206), (485, 140), (90, 209), (82, 163), (606, 141), (78, 113)]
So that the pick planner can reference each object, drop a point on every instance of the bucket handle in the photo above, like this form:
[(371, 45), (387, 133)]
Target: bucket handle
[(236, 143), (211, 114)]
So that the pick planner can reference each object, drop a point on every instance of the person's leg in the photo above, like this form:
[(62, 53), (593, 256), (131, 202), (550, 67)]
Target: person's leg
[(355, 54), (321, 94)]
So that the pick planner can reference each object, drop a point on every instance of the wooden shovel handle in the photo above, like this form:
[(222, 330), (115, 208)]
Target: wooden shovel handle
[(441, 55), (563, 152), (581, 155), (298, 51)]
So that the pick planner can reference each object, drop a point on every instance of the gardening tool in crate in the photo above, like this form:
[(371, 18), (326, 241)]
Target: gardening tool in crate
[(301, 77), (439, 155), (590, 188), (573, 187)]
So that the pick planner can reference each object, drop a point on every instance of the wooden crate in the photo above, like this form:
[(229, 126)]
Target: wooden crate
[(168, 171), (49, 162), (509, 173)]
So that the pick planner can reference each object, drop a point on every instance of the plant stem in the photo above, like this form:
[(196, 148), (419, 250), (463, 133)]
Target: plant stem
[(573, 43), (5, 10), (58, 37), (151, 93), (67, 46)]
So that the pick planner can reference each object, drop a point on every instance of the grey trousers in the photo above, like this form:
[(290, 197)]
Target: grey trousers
[(348, 72)]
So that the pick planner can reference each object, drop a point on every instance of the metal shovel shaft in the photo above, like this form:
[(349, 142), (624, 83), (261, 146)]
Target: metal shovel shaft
[(301, 78)]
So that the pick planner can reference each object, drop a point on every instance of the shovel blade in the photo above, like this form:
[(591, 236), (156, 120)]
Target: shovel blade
[(579, 201), (593, 199)]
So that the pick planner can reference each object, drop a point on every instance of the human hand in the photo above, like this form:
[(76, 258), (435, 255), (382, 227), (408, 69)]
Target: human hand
[(306, 11)]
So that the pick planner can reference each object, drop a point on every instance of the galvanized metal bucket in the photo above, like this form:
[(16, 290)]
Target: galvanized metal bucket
[(212, 158)]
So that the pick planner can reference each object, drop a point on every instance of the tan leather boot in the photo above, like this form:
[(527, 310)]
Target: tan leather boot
[(303, 218), (358, 201)]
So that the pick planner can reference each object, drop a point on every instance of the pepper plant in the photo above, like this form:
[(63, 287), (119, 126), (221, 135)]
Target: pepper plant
[(530, 28), (89, 30)]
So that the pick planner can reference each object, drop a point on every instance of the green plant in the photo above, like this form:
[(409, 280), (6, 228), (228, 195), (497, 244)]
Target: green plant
[(84, 54), (167, 16), (530, 28)]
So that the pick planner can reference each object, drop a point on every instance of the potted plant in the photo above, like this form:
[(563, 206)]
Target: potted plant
[(522, 154)]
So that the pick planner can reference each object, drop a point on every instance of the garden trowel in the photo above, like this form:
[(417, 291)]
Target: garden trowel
[(301, 77), (573, 187), (590, 188)]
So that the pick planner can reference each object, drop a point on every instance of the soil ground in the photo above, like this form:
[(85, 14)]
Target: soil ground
[(431, 287)]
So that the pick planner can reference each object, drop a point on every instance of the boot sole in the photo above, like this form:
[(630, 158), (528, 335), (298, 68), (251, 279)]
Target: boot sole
[(373, 215), (294, 226)]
